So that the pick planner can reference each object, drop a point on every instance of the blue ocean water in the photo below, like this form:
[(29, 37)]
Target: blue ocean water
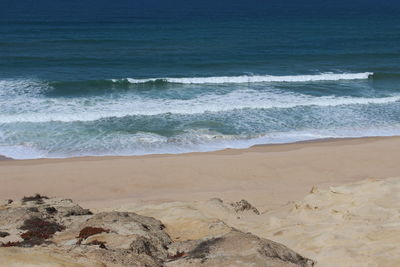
[(138, 77)]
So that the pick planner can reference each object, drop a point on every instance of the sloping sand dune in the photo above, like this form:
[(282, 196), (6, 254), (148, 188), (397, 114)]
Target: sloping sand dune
[(351, 225)]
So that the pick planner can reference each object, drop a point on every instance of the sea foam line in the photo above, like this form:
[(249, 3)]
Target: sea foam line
[(65, 113), (188, 142), (255, 78)]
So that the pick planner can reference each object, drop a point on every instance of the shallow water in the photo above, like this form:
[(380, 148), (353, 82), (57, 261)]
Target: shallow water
[(154, 77)]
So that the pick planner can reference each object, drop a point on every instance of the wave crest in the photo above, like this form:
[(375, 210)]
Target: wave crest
[(253, 78)]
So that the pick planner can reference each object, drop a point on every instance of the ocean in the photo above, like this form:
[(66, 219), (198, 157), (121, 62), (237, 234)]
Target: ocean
[(92, 78)]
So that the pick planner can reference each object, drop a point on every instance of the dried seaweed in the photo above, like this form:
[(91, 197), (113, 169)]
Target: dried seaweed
[(89, 231), (38, 230)]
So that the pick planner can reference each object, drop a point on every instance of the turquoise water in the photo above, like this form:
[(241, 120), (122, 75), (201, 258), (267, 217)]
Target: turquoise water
[(100, 78)]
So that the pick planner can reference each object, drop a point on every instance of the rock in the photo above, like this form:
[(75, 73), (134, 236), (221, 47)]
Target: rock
[(5, 203), (234, 249), (49, 257), (185, 220), (4, 234), (244, 205), (122, 238), (42, 231), (45, 212)]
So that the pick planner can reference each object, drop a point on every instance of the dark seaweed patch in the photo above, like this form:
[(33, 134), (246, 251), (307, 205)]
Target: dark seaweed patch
[(10, 244), (89, 231), (38, 231)]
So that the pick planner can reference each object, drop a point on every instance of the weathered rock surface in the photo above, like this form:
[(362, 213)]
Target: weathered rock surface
[(44, 257), (41, 231), (235, 249), (197, 220)]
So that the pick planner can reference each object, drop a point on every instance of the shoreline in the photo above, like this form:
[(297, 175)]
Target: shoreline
[(267, 175), (319, 140), (317, 198)]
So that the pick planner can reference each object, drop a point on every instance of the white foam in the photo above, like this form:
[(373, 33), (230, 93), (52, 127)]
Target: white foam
[(95, 108), (27, 87), (257, 78), (22, 152), (200, 140)]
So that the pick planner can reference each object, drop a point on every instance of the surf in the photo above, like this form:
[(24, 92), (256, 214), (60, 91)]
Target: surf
[(70, 110), (253, 78)]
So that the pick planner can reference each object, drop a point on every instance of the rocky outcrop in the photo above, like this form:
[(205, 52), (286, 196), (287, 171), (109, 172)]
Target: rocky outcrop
[(38, 231), (199, 219), (235, 249)]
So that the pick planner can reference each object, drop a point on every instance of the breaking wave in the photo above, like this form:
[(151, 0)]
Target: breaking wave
[(253, 78)]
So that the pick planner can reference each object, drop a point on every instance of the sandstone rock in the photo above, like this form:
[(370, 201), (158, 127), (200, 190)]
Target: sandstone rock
[(61, 233), (234, 249), (196, 220), (119, 238), (37, 211), (184, 221), (44, 257)]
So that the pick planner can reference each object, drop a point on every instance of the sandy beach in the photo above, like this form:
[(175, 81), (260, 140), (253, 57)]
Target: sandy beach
[(268, 176), (332, 201)]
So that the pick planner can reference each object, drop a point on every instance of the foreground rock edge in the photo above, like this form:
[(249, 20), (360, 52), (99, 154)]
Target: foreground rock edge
[(39, 230)]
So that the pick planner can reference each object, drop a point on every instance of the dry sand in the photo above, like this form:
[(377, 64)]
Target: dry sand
[(356, 224), (267, 176)]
